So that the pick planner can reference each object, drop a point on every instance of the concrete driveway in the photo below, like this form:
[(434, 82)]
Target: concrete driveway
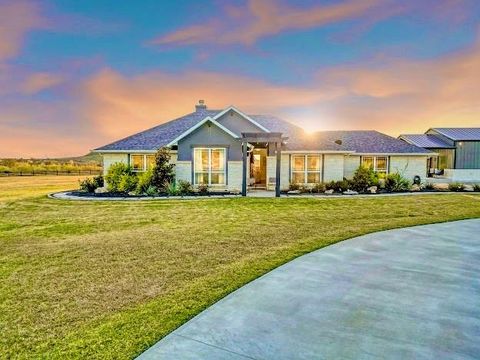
[(411, 293)]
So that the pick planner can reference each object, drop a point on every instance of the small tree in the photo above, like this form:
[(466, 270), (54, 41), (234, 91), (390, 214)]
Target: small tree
[(163, 173), (363, 178)]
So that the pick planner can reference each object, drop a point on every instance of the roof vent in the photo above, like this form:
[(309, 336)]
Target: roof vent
[(338, 142), (200, 106)]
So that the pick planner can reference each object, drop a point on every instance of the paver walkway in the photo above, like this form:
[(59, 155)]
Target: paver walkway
[(411, 293)]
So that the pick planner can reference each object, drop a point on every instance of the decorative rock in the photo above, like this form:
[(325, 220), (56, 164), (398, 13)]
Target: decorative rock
[(372, 189), (415, 188), (350, 192), (293, 192), (329, 192), (468, 187), (101, 190)]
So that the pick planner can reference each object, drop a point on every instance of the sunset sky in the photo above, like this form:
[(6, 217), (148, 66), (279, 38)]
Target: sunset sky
[(75, 75)]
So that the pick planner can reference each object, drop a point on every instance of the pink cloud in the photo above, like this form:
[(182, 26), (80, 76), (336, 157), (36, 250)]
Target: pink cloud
[(40, 81), (16, 19), (261, 18)]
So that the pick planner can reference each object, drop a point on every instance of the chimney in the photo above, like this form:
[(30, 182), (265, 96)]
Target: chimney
[(200, 106)]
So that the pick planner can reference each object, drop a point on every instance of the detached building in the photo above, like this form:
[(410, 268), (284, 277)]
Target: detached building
[(456, 152)]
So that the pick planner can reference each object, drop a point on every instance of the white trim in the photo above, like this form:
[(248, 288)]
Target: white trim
[(317, 152), (209, 171), (101, 152), (231, 107), (394, 154), (199, 124)]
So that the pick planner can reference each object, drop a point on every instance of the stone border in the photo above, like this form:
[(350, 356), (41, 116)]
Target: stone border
[(66, 195)]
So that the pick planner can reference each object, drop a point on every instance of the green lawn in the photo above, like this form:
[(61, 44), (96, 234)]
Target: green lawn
[(109, 279)]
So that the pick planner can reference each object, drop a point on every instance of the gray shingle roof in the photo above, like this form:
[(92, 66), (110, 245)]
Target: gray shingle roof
[(161, 135), (428, 141), (367, 141), (460, 134), (358, 141)]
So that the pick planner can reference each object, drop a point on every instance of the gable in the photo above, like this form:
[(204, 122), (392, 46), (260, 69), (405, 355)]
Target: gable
[(237, 122), (207, 135)]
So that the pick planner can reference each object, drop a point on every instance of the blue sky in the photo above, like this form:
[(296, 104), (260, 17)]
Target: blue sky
[(77, 74)]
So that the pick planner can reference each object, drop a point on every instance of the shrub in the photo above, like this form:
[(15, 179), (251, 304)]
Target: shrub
[(476, 187), (144, 182), (456, 186), (115, 174), (128, 183), (429, 186), (171, 189), (395, 183), (91, 184), (338, 186), (293, 187), (318, 188), (304, 189), (202, 189), (163, 174), (184, 187), (363, 178), (151, 191)]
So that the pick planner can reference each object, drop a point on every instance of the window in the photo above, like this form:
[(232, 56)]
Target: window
[(142, 162), (379, 164), (137, 162), (150, 161), (209, 165), (305, 169)]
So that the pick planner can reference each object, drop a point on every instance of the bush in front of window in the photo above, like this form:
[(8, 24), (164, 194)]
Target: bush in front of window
[(396, 183), (128, 183), (338, 186), (184, 188), (293, 186), (202, 189), (318, 188), (163, 173), (116, 174), (363, 178), (145, 182)]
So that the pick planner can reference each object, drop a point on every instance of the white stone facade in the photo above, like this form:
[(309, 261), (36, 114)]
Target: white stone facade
[(409, 166), (333, 167), (110, 159)]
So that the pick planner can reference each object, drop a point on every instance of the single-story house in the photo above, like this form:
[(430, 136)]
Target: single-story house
[(457, 152), (228, 149)]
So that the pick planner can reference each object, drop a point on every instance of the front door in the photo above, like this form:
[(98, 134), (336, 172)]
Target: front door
[(258, 168)]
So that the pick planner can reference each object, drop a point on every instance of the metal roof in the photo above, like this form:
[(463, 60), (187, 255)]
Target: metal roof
[(428, 141), (460, 134)]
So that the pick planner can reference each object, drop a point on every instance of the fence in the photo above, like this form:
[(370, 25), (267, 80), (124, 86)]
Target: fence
[(51, 172)]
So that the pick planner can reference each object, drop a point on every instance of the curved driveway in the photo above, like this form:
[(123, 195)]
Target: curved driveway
[(411, 293)]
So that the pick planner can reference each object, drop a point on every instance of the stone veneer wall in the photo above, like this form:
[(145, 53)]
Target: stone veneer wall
[(409, 166)]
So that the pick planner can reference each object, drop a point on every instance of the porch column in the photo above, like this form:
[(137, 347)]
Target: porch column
[(244, 170), (278, 148)]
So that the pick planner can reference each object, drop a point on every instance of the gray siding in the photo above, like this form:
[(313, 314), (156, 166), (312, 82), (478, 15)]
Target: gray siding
[(467, 156), (209, 135), (236, 123)]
